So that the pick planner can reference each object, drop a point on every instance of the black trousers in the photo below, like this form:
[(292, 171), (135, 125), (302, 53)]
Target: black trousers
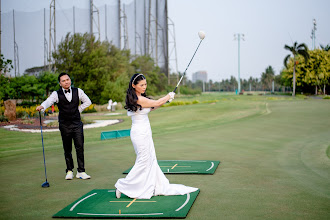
[(73, 131)]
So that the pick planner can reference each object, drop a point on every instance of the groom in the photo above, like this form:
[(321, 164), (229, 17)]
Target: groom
[(70, 125)]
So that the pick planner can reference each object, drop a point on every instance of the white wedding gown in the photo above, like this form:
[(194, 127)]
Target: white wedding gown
[(146, 178)]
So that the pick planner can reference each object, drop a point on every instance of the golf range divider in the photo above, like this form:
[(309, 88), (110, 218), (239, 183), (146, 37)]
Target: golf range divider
[(186, 166), (102, 203), (115, 134)]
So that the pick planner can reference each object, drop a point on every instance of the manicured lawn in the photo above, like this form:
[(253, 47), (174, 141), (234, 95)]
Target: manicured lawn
[(274, 154)]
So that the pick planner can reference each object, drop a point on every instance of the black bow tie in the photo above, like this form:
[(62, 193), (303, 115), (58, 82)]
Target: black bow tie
[(67, 91)]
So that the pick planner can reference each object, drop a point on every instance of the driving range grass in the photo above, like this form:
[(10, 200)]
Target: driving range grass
[(274, 154)]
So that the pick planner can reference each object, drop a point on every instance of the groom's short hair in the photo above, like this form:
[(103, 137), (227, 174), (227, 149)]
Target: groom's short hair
[(62, 74)]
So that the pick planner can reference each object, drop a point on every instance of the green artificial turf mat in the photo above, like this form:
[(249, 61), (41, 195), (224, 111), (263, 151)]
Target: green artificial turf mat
[(186, 166), (102, 203)]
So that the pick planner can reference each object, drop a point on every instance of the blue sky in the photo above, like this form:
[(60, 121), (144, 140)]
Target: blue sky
[(267, 26)]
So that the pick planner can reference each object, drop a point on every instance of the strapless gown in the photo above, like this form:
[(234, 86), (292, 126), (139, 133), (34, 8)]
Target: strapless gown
[(146, 179)]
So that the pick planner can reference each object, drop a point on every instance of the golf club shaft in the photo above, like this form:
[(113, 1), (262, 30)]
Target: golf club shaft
[(184, 73), (43, 148)]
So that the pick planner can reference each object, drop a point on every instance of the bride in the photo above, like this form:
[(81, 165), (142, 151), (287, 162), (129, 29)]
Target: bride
[(145, 178)]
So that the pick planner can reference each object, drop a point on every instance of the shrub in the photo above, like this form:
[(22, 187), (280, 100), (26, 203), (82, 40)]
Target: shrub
[(86, 121), (211, 101), (26, 104), (176, 103), (90, 109), (28, 121), (52, 124), (3, 118), (189, 91), (25, 112)]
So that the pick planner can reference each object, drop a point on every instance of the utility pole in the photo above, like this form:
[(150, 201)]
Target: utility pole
[(74, 20), (91, 17), (123, 22), (171, 49), (45, 42), (0, 26), (52, 35), (106, 23), (238, 37), (94, 9), (16, 57), (119, 26), (313, 34), (135, 27)]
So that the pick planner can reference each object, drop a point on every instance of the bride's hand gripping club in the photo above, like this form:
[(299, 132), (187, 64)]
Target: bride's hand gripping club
[(171, 94)]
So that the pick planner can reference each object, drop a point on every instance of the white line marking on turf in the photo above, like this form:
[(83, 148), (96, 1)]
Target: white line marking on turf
[(186, 160), (111, 190), (74, 206), (185, 203), (211, 166), (185, 172), (119, 214)]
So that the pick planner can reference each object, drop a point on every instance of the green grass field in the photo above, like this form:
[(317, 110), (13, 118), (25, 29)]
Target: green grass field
[(274, 153)]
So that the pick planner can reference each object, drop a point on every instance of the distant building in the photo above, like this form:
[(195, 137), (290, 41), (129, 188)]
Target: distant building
[(36, 71), (200, 75)]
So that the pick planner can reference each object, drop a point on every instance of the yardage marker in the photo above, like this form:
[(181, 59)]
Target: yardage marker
[(174, 166), (81, 201), (130, 203)]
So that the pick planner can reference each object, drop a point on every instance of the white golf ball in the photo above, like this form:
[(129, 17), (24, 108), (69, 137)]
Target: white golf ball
[(201, 34)]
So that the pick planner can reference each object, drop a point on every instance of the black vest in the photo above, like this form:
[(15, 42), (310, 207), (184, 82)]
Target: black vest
[(68, 111)]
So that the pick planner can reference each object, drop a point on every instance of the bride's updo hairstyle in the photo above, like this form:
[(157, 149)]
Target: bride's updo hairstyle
[(131, 97)]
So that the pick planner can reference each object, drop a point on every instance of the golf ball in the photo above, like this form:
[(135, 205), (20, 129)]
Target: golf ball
[(201, 34)]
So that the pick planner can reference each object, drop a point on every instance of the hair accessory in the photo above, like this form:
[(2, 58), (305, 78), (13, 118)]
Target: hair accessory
[(137, 77)]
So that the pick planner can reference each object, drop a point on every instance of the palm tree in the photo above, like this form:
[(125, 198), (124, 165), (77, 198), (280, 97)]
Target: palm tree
[(267, 78), (325, 48), (296, 50)]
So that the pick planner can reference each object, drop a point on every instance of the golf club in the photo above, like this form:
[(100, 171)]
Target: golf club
[(45, 184), (201, 35)]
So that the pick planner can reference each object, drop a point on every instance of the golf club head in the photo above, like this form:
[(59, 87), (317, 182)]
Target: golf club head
[(45, 184)]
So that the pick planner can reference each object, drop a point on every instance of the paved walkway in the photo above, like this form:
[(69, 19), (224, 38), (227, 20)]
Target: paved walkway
[(96, 124)]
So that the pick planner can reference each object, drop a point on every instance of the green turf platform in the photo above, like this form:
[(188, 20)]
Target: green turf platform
[(115, 134), (186, 166), (102, 203)]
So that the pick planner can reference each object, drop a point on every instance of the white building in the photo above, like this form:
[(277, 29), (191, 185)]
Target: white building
[(200, 75)]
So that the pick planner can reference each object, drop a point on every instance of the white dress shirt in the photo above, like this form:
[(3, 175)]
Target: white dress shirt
[(54, 98)]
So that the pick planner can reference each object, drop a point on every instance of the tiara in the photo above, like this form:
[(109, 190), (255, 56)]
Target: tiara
[(137, 77)]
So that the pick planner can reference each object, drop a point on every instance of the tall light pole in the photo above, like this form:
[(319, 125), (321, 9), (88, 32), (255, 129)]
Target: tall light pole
[(238, 37), (313, 34)]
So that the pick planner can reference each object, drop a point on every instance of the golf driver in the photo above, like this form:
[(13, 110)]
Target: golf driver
[(201, 35), (45, 184)]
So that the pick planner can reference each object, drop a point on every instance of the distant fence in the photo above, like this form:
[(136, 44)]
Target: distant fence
[(140, 26)]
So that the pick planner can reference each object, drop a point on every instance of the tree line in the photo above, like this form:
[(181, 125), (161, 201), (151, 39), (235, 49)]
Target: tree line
[(305, 71), (103, 72)]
